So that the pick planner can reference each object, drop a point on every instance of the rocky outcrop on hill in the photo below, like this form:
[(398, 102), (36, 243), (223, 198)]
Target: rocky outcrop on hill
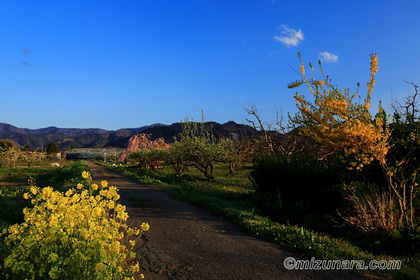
[(142, 141)]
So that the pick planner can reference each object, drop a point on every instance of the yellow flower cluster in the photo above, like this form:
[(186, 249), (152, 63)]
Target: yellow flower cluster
[(373, 70), (31, 181), (81, 234), (86, 175), (319, 83)]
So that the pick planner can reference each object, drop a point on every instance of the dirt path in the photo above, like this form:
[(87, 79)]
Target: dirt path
[(185, 242)]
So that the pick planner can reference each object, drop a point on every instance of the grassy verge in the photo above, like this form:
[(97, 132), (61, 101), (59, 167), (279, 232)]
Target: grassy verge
[(21, 172), (234, 197), (14, 182)]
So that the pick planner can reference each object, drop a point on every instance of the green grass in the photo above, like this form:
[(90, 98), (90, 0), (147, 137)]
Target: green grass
[(234, 198), (11, 195), (15, 184), (21, 172), (64, 177)]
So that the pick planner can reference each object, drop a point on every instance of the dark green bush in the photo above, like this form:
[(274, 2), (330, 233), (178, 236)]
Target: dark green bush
[(298, 178), (404, 242)]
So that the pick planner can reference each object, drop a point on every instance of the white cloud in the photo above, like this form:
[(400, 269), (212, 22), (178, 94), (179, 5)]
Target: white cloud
[(328, 57), (291, 38)]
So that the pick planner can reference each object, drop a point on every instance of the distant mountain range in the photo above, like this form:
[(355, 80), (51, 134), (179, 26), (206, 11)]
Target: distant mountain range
[(100, 138)]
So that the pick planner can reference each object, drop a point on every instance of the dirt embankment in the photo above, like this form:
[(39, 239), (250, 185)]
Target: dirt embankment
[(185, 242)]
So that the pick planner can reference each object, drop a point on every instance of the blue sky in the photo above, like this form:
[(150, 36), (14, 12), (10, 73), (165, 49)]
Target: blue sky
[(117, 64)]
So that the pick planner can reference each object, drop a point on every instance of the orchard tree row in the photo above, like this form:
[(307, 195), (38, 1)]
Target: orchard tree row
[(195, 147), (10, 152)]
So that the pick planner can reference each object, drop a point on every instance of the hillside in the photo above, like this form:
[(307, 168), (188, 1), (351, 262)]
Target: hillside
[(99, 138), (69, 137), (169, 132)]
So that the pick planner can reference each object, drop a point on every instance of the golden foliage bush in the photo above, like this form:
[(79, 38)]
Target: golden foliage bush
[(336, 121)]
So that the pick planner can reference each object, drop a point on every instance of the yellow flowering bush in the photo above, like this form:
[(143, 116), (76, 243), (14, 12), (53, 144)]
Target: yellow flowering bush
[(336, 121), (79, 234)]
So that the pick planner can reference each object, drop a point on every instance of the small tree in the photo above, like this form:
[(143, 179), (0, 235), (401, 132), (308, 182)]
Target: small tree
[(200, 147), (52, 148), (139, 156), (32, 157), (9, 152), (27, 147), (149, 158), (278, 138), (237, 151), (177, 158), (403, 161), (3, 154)]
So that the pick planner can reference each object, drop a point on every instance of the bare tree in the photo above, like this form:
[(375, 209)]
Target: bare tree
[(404, 156), (284, 139), (260, 126), (409, 109)]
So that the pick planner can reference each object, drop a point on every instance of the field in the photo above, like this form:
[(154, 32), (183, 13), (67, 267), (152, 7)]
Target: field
[(231, 196), (14, 182)]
